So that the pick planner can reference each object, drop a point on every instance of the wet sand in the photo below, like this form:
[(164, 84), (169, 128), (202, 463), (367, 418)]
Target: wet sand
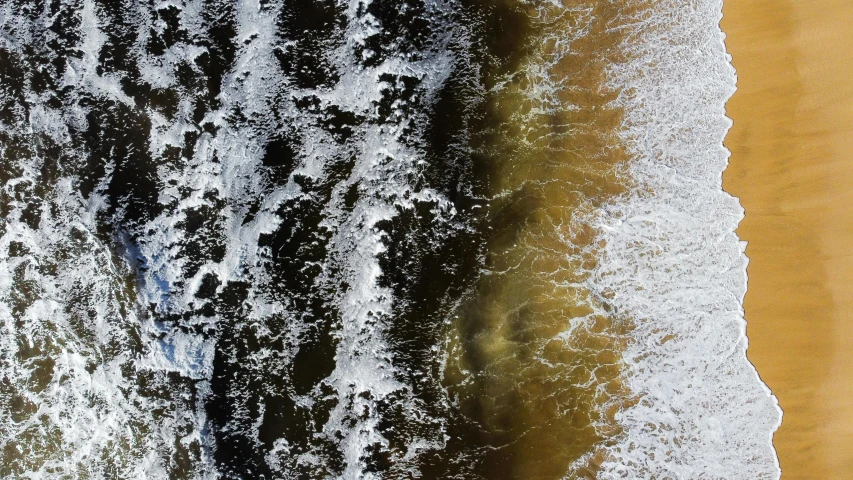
[(792, 167)]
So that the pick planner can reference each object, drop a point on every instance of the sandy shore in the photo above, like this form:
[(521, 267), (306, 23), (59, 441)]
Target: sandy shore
[(792, 167)]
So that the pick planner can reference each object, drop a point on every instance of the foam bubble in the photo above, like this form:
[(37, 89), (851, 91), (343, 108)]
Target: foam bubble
[(675, 264)]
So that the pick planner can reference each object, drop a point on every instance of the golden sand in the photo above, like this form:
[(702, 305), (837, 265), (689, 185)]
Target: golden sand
[(792, 167)]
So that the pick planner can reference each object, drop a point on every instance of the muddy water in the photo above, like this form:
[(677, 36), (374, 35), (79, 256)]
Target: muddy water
[(534, 351)]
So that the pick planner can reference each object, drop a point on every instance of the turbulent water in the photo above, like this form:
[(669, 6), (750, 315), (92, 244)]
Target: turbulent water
[(371, 239)]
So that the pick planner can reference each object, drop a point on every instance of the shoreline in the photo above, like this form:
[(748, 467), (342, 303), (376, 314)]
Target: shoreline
[(672, 259), (790, 167)]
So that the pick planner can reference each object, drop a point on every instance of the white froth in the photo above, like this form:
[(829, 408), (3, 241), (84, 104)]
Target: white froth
[(677, 266), (87, 416)]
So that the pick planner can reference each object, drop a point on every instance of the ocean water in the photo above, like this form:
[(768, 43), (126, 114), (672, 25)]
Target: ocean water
[(371, 239)]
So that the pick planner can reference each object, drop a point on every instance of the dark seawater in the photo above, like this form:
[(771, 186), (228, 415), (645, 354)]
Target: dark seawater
[(311, 239)]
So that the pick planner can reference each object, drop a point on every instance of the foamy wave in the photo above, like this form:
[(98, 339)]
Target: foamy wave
[(159, 252), (676, 266)]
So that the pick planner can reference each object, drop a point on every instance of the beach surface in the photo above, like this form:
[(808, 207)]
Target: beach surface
[(792, 168)]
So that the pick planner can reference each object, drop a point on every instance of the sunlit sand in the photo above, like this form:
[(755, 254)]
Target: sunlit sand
[(792, 167)]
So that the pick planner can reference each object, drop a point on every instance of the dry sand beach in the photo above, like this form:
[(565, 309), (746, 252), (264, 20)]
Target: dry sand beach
[(792, 168)]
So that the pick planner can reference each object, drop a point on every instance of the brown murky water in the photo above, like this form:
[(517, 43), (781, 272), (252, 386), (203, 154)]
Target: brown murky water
[(534, 352)]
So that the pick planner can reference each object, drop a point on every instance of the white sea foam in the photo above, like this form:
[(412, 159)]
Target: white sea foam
[(86, 412), (67, 318), (363, 375), (676, 265)]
